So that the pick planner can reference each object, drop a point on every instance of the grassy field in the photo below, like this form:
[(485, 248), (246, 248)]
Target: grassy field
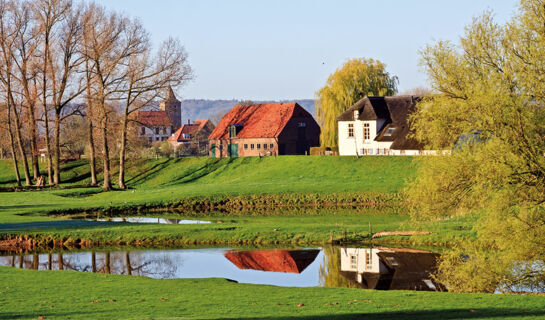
[(163, 181), (29, 294)]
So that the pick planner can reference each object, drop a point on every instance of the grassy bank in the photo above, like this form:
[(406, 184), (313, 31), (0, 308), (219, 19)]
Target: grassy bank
[(30, 294), (166, 181)]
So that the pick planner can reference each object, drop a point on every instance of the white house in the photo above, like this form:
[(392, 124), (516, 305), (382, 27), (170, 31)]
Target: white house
[(378, 126)]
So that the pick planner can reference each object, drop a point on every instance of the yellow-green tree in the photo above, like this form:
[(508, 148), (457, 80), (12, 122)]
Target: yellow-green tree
[(489, 109), (356, 79)]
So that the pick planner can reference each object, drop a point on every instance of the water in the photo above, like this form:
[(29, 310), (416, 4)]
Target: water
[(372, 268), (153, 220)]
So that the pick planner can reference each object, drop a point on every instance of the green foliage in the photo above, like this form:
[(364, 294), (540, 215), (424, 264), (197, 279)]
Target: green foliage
[(357, 78), (489, 109)]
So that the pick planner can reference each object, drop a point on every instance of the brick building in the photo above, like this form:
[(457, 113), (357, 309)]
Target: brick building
[(264, 129), (159, 125), (192, 137)]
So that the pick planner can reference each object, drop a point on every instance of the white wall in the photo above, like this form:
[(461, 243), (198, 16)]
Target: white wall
[(150, 133), (376, 266)]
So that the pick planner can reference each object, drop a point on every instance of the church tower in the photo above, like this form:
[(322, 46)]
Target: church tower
[(173, 108)]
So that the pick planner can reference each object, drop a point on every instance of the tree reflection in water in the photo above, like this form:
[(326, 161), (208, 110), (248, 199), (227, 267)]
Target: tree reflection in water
[(130, 263)]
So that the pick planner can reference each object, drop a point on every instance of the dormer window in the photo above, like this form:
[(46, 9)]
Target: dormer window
[(234, 129), (232, 132), (187, 136), (389, 132), (356, 114)]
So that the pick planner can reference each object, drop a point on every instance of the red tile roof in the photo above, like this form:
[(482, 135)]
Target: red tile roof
[(292, 261), (153, 118), (259, 120), (191, 129)]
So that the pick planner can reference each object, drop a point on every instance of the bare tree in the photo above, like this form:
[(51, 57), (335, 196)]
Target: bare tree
[(61, 28), (26, 65), (109, 40), (146, 80), (8, 32)]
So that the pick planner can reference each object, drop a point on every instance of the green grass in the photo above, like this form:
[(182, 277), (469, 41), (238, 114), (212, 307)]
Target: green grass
[(29, 294), (165, 181), (158, 182)]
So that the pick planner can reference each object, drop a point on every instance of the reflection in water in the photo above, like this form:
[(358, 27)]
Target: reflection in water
[(153, 220), (376, 268), (293, 261), (389, 269)]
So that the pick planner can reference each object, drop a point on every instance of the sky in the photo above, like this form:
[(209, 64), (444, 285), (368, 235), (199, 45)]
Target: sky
[(286, 49)]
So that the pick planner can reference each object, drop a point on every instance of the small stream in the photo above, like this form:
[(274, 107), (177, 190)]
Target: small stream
[(371, 268)]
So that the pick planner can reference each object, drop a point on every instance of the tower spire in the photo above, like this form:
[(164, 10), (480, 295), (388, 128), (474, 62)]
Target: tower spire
[(170, 94)]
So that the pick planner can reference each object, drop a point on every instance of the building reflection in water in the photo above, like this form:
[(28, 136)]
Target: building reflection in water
[(389, 268), (290, 261)]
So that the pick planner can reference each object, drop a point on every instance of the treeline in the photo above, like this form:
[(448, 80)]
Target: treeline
[(61, 59)]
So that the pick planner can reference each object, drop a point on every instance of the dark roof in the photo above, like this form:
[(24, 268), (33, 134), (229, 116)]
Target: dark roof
[(395, 111), (292, 261), (258, 120)]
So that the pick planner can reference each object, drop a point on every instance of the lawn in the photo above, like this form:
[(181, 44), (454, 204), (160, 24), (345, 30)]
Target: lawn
[(163, 181), (30, 294)]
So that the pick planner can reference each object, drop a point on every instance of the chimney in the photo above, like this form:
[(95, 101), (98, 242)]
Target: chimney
[(188, 121)]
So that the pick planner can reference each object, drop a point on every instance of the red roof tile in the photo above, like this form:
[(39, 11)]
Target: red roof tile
[(259, 120), (191, 129), (293, 261), (153, 118)]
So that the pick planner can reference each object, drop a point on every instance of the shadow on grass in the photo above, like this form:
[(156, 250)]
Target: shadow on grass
[(53, 224), (461, 313), (145, 175)]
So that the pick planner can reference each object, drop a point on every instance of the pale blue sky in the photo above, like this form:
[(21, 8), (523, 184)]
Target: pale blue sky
[(285, 49)]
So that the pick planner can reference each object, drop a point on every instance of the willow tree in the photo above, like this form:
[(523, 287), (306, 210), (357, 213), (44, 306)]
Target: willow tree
[(356, 79), (489, 109)]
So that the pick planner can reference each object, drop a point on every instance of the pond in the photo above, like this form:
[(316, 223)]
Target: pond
[(372, 268), (153, 220)]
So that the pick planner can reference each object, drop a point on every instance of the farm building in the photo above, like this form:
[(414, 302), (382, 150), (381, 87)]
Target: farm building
[(192, 137), (264, 129), (378, 126), (159, 125)]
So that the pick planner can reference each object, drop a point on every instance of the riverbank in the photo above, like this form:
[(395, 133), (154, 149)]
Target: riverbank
[(30, 294)]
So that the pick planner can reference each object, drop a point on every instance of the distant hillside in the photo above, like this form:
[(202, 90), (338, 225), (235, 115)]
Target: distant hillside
[(194, 109)]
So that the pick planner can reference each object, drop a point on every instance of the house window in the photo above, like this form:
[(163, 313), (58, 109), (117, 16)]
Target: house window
[(156, 130), (353, 262), (389, 132), (271, 146), (368, 259), (258, 146), (252, 146), (301, 124), (265, 146), (164, 130), (245, 146), (143, 130), (351, 130), (366, 132), (187, 136)]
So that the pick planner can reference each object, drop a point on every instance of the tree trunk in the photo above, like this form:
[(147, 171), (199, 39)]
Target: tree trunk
[(61, 262), (12, 146), (20, 145), (93, 262), (48, 147), (92, 154), (33, 143), (57, 166), (123, 150), (107, 185)]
